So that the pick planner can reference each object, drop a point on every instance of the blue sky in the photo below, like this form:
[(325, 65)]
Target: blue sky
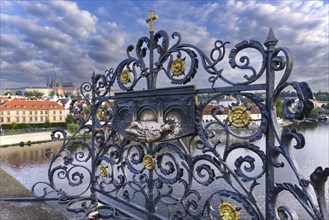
[(74, 38)]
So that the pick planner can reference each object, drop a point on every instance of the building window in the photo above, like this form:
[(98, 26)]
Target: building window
[(23, 112), (8, 112), (30, 112), (60, 118), (41, 112), (31, 119), (24, 119), (8, 119), (60, 112), (41, 118), (54, 112), (54, 118), (1, 120), (17, 112), (36, 118), (17, 119), (35, 112)]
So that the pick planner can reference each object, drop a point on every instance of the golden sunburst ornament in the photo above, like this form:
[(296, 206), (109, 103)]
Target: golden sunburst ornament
[(125, 77), (178, 67), (228, 211), (239, 117), (148, 162), (104, 170)]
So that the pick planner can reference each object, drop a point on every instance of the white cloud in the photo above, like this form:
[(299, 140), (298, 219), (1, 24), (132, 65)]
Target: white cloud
[(60, 37)]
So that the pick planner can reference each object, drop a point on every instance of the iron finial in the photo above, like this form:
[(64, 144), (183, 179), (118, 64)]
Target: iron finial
[(151, 20), (271, 39)]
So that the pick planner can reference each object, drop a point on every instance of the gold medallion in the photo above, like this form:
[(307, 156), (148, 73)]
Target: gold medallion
[(104, 170), (178, 67), (148, 162), (239, 117), (228, 211), (125, 77)]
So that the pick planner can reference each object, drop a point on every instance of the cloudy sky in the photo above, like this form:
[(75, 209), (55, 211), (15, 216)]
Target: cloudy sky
[(71, 39)]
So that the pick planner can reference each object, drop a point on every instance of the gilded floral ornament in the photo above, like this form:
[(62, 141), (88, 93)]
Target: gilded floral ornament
[(178, 67), (148, 162), (104, 170), (228, 211), (239, 117), (125, 77)]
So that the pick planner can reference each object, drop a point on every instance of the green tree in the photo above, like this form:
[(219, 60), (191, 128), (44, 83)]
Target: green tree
[(33, 94), (69, 119), (314, 113), (13, 125), (18, 93), (72, 128), (86, 110), (47, 124), (9, 93), (322, 96), (279, 109)]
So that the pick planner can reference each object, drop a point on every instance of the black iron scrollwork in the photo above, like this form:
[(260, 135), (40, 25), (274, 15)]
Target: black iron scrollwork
[(166, 155)]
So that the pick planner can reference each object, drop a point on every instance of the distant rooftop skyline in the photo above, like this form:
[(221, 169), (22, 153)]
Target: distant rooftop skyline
[(74, 38)]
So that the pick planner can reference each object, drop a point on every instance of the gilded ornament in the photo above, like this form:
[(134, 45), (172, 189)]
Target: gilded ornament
[(100, 114), (151, 20), (228, 211), (148, 162), (104, 170), (178, 67), (239, 117), (125, 77)]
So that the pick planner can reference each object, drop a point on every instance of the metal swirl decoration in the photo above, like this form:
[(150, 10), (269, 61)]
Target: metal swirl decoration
[(306, 189), (161, 154), (246, 60)]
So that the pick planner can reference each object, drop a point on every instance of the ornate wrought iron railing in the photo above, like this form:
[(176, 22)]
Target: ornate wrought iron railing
[(175, 153)]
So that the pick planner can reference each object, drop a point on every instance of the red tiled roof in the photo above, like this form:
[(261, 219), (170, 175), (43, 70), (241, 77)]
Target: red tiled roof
[(17, 104)]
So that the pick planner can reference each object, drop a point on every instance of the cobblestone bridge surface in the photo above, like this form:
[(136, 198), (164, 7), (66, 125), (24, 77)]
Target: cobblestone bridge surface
[(10, 210)]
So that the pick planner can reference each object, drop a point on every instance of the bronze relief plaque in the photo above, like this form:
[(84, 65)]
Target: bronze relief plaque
[(155, 115)]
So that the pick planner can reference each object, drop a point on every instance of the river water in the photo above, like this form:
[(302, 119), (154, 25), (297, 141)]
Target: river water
[(29, 164)]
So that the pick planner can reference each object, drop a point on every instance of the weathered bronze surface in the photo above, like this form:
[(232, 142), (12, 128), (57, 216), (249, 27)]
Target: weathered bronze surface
[(155, 115)]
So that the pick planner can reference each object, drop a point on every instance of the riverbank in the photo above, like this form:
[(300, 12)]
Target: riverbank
[(25, 138)]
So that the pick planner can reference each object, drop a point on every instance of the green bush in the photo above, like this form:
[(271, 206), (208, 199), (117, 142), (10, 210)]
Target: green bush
[(21, 144), (72, 127), (40, 125)]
